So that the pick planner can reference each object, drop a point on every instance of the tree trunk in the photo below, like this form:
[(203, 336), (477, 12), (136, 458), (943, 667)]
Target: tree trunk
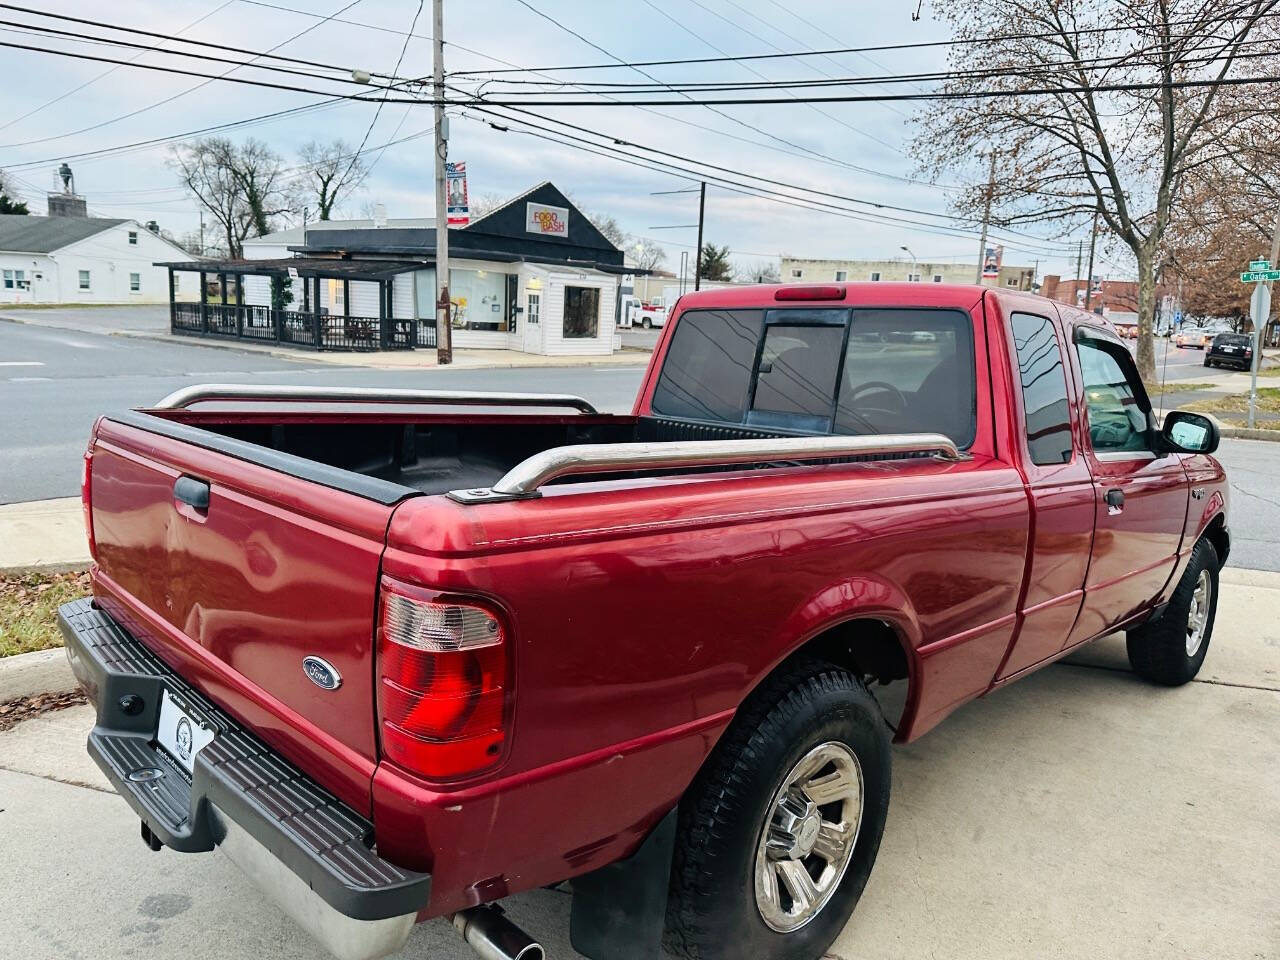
[(1146, 317)]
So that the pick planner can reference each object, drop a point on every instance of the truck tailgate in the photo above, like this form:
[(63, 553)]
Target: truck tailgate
[(235, 595)]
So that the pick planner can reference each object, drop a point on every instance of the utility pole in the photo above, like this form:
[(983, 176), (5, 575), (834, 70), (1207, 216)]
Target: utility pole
[(1079, 264), (1088, 280), (702, 209), (444, 329), (202, 233), (986, 218)]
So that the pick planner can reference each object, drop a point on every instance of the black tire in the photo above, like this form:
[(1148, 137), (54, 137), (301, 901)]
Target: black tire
[(712, 912), (1207, 363), (646, 323), (1158, 649)]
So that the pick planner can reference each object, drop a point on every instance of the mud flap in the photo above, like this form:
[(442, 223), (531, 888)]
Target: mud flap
[(619, 910)]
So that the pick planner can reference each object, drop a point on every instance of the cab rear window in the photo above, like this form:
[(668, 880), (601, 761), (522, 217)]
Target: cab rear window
[(861, 371)]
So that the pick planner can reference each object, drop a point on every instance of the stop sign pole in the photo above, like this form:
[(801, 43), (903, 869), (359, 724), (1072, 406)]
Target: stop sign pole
[(1260, 273)]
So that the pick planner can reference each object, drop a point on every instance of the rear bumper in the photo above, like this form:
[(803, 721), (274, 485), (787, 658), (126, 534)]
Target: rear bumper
[(309, 851)]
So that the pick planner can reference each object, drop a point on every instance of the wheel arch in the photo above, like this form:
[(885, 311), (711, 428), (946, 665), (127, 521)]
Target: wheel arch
[(1216, 533)]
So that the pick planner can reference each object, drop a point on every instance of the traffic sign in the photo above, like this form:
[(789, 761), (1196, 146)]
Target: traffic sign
[(1259, 276), (1259, 264)]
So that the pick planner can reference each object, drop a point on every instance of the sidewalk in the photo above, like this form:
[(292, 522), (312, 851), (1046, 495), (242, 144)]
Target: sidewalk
[(110, 321), (46, 535)]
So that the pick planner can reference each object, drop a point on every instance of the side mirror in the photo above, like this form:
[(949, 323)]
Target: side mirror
[(1186, 432)]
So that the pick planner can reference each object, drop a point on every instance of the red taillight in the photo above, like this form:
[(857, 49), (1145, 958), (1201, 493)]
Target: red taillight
[(86, 498), (812, 292), (442, 682)]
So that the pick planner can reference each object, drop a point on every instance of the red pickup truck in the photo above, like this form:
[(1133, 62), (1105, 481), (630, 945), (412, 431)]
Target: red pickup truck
[(400, 654)]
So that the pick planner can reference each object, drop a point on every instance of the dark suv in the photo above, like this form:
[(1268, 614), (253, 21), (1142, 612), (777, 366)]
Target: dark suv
[(1230, 350)]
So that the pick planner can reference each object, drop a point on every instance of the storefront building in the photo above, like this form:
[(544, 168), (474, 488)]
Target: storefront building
[(533, 275)]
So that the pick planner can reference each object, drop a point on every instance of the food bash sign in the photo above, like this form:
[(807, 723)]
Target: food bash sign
[(546, 221)]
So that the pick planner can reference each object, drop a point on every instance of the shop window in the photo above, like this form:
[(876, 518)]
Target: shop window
[(581, 313), (479, 299)]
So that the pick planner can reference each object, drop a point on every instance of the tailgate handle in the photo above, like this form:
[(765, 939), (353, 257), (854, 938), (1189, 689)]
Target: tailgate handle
[(192, 492)]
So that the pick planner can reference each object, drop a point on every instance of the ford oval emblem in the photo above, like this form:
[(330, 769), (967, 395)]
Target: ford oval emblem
[(322, 673)]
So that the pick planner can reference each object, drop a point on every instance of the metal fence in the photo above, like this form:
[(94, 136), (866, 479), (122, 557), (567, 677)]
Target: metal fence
[(297, 329)]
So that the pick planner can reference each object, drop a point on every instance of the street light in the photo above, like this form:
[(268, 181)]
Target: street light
[(908, 252)]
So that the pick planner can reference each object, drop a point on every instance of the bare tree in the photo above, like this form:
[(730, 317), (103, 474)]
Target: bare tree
[(761, 272), (484, 203), (1105, 106), (332, 171), (242, 186), (647, 255)]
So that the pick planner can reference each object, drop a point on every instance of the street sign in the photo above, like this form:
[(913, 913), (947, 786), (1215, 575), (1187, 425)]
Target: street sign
[(1259, 276), (1259, 264), (1259, 311)]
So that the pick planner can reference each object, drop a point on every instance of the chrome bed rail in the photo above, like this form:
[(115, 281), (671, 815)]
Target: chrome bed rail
[(197, 393), (524, 480)]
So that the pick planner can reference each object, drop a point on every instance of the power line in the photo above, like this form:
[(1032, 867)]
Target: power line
[(618, 141), (963, 41), (732, 185), (209, 79)]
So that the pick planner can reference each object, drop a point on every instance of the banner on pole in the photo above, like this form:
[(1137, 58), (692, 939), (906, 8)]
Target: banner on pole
[(991, 262), (455, 176)]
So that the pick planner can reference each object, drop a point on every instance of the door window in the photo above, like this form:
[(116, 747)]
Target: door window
[(535, 309), (1044, 389), (1117, 404)]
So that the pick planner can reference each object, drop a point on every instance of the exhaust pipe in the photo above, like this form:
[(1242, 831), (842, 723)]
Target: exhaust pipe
[(490, 934)]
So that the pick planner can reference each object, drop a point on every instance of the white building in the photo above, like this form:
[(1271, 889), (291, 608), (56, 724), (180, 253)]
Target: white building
[(533, 275), (901, 269), (69, 260)]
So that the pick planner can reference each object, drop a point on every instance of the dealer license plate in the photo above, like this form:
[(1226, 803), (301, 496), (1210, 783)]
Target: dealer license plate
[(179, 734)]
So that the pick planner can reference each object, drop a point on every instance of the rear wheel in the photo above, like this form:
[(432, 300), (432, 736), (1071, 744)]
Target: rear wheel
[(646, 323), (1171, 649), (780, 830), (1207, 363)]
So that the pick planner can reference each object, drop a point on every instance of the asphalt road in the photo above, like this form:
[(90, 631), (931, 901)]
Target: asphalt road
[(54, 382)]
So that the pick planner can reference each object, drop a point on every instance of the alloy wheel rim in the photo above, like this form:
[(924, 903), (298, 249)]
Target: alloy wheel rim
[(809, 836), (1198, 615)]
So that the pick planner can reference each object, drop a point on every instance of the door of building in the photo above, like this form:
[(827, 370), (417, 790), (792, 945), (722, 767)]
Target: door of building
[(531, 326)]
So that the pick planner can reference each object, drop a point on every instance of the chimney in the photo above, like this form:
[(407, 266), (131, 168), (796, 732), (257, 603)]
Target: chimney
[(153, 227)]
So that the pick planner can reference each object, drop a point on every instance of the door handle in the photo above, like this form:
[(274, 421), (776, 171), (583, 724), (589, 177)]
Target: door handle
[(1115, 500), (194, 493)]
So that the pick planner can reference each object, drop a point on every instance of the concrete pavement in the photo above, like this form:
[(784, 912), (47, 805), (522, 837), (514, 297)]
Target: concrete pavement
[(43, 535), (1079, 814)]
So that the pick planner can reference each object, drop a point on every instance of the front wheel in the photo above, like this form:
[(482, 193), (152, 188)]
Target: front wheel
[(646, 323), (1170, 650), (778, 834)]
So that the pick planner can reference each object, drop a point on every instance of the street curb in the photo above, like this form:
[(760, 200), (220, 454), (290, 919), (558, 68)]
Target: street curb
[(31, 674), (49, 566), (1244, 433)]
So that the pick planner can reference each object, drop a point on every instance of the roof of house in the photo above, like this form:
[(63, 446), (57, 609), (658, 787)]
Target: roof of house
[(293, 235), (28, 234)]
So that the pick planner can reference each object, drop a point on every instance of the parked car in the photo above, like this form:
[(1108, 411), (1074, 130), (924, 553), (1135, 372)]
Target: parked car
[(1197, 338), (1127, 330), (1230, 350), (400, 660)]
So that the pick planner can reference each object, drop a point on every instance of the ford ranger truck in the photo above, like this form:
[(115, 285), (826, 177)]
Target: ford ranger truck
[(401, 654)]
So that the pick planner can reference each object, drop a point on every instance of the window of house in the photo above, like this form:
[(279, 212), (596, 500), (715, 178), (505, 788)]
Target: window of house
[(1011, 282), (133, 238), (581, 313), (875, 276), (84, 279), (1117, 404), (842, 276), (135, 282), (796, 274), (913, 278), (16, 279), (1044, 389), (937, 278), (8, 279)]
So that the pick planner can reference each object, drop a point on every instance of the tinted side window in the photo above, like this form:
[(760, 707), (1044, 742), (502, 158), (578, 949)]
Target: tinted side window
[(707, 371), (909, 371), (1044, 389), (796, 380), (1118, 413)]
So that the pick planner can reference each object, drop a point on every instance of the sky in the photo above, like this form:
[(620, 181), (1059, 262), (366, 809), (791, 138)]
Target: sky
[(815, 145)]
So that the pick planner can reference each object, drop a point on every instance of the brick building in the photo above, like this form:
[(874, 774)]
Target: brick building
[(1112, 296)]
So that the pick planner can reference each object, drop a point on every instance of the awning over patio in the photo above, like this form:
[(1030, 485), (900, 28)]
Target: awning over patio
[(303, 266)]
